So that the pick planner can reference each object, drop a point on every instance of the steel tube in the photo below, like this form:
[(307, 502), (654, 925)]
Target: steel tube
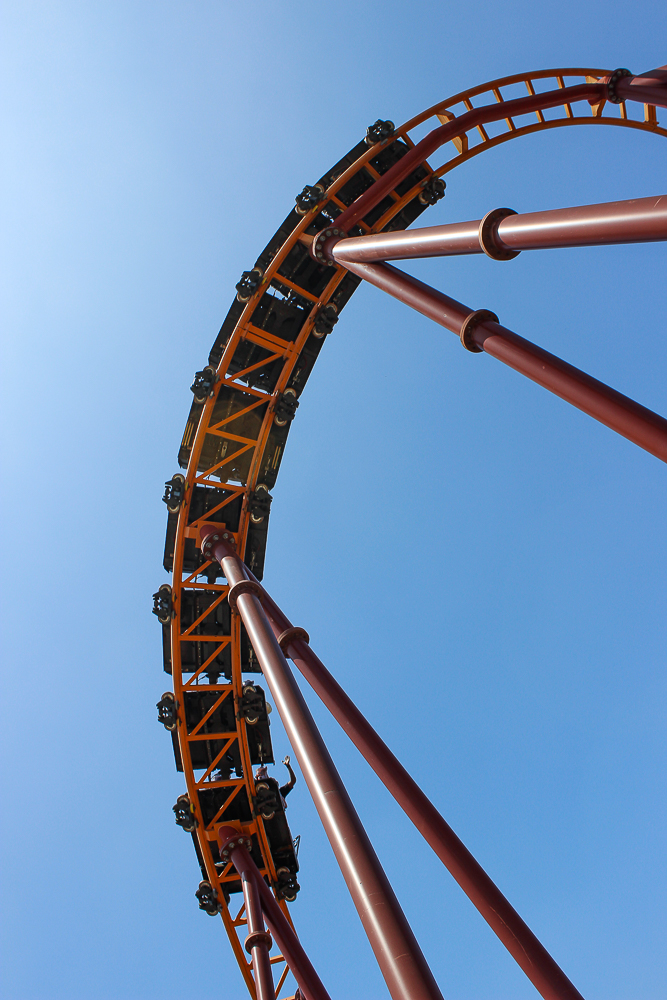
[(593, 92), (630, 419), (649, 88), (547, 977), (639, 220), (401, 961), (261, 963), (289, 944)]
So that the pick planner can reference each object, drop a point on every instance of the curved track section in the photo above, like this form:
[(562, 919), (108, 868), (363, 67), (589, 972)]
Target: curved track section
[(245, 400)]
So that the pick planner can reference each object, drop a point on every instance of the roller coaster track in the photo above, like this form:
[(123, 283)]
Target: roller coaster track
[(245, 400)]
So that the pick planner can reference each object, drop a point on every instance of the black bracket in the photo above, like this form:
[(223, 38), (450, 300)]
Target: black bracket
[(163, 605), (285, 408), (287, 886), (174, 492), (208, 899), (248, 285), (325, 320), (167, 711), (203, 384), (251, 705), (309, 198), (432, 191), (379, 131), (265, 801), (259, 504), (185, 814)]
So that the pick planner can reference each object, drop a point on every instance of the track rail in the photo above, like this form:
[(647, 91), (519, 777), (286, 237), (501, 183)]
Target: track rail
[(236, 433)]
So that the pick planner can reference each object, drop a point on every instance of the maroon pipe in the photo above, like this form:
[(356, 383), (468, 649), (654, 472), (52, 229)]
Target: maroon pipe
[(637, 423), (649, 88), (401, 961), (594, 92), (257, 941), (289, 944), (639, 220), (547, 977)]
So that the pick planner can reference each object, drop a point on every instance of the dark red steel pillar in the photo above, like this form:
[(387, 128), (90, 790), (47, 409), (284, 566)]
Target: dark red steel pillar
[(258, 941), (401, 961), (544, 973), (292, 951), (502, 233), (480, 331), (649, 87)]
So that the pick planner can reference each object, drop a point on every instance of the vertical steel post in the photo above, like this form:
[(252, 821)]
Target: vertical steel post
[(289, 944), (544, 973), (258, 942), (401, 961)]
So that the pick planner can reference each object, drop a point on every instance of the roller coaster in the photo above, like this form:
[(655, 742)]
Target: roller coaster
[(222, 633)]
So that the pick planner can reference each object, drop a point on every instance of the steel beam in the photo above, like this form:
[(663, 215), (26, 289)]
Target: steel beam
[(640, 220), (547, 977), (479, 331), (591, 92), (289, 944), (258, 941), (401, 961), (649, 87)]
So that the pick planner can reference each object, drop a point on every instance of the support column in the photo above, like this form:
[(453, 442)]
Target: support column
[(289, 944), (502, 233), (479, 331), (401, 961), (544, 973), (258, 942)]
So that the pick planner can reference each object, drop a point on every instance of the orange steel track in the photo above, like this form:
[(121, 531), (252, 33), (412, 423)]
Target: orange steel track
[(247, 452)]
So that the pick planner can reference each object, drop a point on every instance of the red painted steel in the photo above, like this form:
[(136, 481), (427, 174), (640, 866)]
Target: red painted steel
[(637, 423), (401, 961), (259, 948), (290, 946), (547, 977), (639, 220), (649, 88), (593, 92)]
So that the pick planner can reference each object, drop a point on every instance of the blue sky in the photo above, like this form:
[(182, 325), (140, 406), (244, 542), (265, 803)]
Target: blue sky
[(480, 565)]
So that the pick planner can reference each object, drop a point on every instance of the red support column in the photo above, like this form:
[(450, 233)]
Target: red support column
[(640, 220), (649, 88), (289, 944), (479, 331), (401, 961), (544, 973), (258, 941)]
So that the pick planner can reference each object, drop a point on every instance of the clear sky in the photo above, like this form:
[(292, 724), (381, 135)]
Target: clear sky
[(480, 565)]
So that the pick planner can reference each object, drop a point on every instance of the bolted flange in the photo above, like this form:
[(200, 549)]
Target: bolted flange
[(208, 543), (236, 841), (289, 635), (469, 324), (317, 249), (612, 83), (243, 587), (258, 937), (488, 234)]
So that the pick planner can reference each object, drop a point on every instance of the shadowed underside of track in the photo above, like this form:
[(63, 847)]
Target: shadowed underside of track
[(245, 399)]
